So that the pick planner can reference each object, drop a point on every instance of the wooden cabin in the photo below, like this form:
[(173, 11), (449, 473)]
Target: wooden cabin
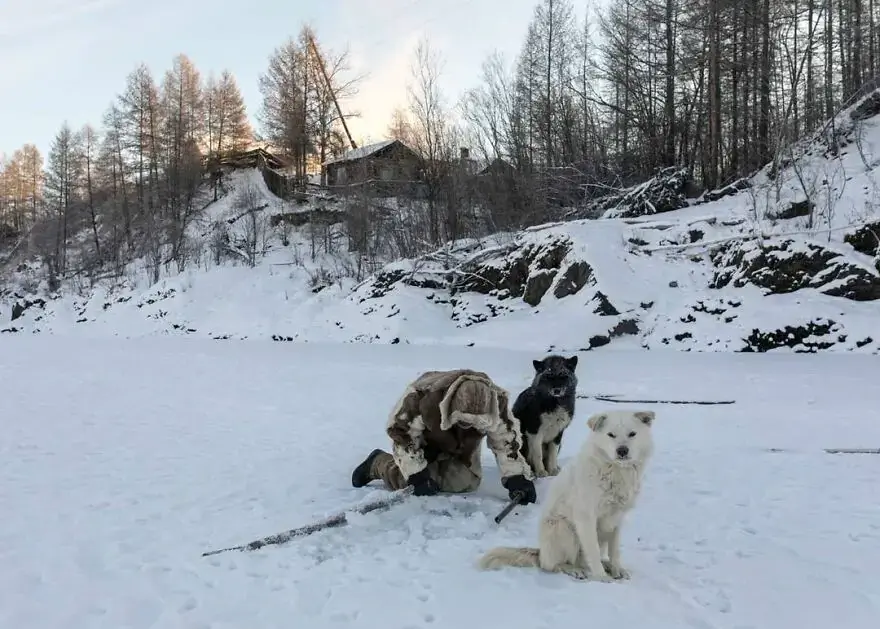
[(389, 163)]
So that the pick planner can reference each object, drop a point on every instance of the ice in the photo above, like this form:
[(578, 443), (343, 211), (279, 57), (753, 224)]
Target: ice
[(122, 461)]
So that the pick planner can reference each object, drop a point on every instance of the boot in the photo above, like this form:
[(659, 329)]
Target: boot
[(363, 473)]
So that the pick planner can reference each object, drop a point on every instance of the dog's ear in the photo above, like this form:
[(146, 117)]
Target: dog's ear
[(597, 421), (571, 363), (646, 417), (538, 365)]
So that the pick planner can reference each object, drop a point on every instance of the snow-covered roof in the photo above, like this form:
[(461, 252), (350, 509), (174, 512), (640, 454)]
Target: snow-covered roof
[(360, 152)]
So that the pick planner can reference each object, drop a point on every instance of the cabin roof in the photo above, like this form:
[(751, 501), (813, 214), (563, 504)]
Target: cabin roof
[(360, 153)]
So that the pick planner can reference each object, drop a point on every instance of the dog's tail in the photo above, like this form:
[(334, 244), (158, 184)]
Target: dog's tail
[(509, 556)]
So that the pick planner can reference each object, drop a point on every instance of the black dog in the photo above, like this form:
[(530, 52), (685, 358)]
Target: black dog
[(545, 410)]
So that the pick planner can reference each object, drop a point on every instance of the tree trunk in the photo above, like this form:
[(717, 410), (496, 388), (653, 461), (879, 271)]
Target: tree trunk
[(669, 103), (766, 68)]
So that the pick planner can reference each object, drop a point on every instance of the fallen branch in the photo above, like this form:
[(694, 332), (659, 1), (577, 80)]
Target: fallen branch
[(833, 450), (617, 400), (339, 519), (852, 450)]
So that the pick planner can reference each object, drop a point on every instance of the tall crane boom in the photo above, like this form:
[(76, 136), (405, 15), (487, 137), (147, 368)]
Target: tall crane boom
[(330, 88)]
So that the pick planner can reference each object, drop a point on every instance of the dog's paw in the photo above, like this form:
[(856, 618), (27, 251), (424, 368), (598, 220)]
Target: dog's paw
[(576, 573), (541, 473), (618, 572), (601, 577), (553, 470)]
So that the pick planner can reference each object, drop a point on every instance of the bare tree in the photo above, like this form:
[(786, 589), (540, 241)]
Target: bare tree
[(88, 145), (250, 210), (432, 134), (299, 114), (227, 128), (63, 172)]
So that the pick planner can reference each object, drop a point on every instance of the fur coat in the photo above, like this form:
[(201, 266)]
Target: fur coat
[(449, 413)]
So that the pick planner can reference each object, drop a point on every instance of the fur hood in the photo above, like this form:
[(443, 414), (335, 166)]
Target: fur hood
[(475, 391)]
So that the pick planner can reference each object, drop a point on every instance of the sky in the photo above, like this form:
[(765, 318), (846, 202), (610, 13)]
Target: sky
[(68, 59)]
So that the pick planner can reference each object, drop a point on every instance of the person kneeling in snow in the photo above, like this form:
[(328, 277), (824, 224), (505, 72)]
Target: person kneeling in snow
[(437, 430)]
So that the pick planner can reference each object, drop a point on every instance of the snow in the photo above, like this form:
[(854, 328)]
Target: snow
[(122, 461), (656, 271), (360, 152)]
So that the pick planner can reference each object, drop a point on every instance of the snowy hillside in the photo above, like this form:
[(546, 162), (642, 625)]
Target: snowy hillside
[(786, 260)]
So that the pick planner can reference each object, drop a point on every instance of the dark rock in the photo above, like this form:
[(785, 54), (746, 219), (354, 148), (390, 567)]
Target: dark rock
[(625, 327), (508, 277), (385, 281), (573, 279), (868, 108), (20, 307), (729, 190), (695, 235), (701, 306), (525, 271), (598, 341), (795, 210), (792, 337), (866, 239), (784, 266), (536, 285), (683, 336), (603, 306)]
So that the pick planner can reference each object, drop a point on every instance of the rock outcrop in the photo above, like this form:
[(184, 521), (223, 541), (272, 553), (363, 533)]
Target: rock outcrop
[(783, 266), (866, 240)]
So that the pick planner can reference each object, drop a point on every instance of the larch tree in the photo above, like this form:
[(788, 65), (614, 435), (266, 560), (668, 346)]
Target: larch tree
[(227, 128), (63, 172)]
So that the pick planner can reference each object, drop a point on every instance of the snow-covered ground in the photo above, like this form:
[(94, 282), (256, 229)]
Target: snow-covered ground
[(660, 272), (122, 461), (745, 272)]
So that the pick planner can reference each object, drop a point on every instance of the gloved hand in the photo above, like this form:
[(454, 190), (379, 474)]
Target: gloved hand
[(423, 484), (521, 484)]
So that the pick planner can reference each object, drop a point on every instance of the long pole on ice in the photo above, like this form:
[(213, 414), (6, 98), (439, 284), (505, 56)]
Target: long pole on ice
[(338, 519)]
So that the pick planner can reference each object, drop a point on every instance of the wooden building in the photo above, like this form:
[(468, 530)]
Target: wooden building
[(390, 165)]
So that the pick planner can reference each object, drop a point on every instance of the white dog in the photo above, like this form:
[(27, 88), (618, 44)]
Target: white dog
[(588, 501)]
